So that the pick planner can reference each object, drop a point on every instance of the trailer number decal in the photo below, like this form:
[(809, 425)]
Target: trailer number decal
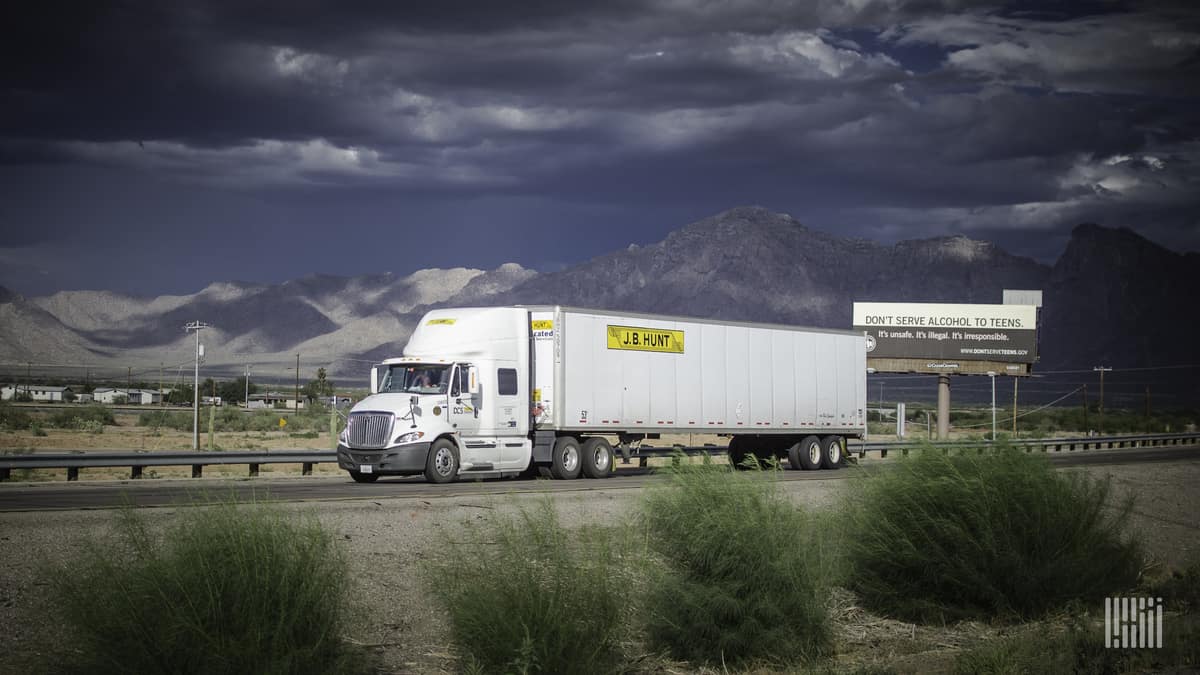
[(440, 322), (645, 339)]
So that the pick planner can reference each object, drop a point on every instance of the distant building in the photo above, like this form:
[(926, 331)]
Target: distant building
[(117, 396), (273, 400), (38, 392)]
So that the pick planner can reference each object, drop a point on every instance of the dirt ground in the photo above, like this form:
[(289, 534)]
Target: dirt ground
[(386, 539)]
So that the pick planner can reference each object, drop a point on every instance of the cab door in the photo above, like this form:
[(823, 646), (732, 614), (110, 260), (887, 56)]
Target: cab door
[(464, 411), (464, 416)]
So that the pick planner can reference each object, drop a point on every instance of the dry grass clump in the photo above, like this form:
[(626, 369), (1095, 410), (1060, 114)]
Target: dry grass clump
[(951, 536), (233, 588), (743, 580)]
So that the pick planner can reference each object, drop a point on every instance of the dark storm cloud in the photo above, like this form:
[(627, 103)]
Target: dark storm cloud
[(884, 119)]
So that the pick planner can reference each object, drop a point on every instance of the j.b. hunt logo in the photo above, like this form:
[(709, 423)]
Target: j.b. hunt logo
[(1133, 623)]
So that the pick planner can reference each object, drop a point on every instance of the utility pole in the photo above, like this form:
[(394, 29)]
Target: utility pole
[(1147, 408), (297, 407), (162, 397), (247, 382), (1085, 424), (881, 401), (196, 326), (1102, 370)]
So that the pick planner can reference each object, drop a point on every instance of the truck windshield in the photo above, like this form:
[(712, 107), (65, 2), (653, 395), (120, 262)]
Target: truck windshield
[(416, 379)]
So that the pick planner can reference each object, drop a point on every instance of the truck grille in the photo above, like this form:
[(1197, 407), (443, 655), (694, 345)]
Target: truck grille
[(370, 429)]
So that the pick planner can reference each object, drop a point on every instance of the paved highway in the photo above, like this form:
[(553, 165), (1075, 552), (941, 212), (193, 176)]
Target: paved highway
[(52, 496)]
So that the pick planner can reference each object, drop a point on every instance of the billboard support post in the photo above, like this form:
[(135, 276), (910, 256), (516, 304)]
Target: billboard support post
[(943, 407), (993, 376)]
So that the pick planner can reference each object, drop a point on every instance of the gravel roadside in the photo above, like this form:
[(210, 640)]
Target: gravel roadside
[(385, 540)]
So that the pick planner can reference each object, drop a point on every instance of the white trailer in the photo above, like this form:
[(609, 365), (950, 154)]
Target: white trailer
[(511, 390)]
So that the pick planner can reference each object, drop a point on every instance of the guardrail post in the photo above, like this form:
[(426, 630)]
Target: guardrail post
[(306, 469), (72, 473), (135, 472), (5, 474), (254, 471), (197, 470)]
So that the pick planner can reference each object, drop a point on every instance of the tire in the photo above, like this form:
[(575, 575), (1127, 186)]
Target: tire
[(566, 462), (832, 456), (597, 458), (364, 477), (737, 453), (806, 454), (441, 464)]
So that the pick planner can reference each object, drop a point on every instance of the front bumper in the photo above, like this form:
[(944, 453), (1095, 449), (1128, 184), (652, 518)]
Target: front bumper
[(402, 460)]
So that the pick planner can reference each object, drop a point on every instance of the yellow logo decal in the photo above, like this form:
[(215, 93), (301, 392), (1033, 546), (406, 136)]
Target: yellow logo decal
[(282, 423), (645, 339), (541, 324), (440, 322)]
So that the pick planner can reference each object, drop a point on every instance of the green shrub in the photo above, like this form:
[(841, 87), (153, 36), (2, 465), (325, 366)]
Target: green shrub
[(746, 577), (13, 418), (75, 418), (232, 588), (952, 536), (180, 421), (525, 595)]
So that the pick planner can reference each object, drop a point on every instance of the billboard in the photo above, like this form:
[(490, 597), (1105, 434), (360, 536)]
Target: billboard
[(942, 332)]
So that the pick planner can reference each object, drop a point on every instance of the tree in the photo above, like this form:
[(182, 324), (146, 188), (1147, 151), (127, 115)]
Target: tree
[(234, 391), (180, 394), (320, 388)]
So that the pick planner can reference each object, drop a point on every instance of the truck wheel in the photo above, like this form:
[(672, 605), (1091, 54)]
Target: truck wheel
[(737, 453), (831, 452), (597, 458), (564, 463), (806, 454), (441, 465), (364, 477)]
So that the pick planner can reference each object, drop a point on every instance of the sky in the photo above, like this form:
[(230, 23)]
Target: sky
[(155, 146)]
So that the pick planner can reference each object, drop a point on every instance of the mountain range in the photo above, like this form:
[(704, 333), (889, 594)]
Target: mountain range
[(1112, 297)]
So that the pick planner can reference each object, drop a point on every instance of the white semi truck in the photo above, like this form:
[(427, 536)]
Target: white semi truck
[(504, 391)]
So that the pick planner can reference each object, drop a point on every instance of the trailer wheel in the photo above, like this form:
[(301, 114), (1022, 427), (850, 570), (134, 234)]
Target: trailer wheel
[(806, 454), (565, 463), (832, 456), (360, 477), (737, 453), (441, 465), (597, 458)]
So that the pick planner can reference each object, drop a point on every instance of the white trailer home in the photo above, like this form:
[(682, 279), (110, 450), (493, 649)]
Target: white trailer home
[(506, 390)]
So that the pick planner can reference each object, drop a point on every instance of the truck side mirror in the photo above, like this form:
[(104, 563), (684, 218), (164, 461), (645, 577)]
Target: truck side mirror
[(374, 379), (473, 380)]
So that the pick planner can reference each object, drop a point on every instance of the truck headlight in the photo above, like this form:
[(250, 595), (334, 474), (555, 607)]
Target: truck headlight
[(344, 437), (410, 437)]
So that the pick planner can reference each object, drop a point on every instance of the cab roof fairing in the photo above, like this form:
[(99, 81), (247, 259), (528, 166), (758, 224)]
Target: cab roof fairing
[(446, 335)]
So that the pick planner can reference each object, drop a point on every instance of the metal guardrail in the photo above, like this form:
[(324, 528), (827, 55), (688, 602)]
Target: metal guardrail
[(137, 461)]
